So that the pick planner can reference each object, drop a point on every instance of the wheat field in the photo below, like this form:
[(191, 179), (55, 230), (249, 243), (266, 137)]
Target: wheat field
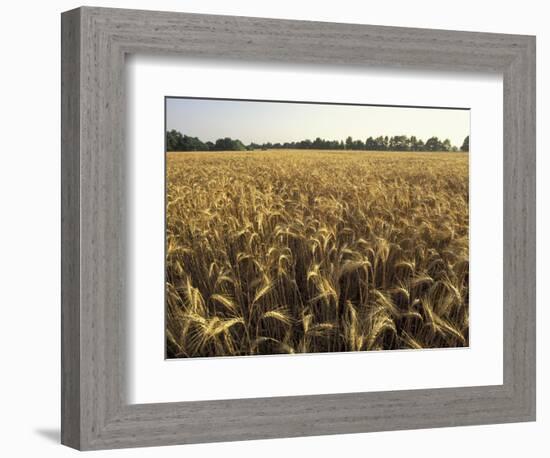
[(294, 251)]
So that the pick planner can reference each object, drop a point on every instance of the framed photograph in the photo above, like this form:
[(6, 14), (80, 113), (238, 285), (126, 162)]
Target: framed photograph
[(277, 228), (278, 246)]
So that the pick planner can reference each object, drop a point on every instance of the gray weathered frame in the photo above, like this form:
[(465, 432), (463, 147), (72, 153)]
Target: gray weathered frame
[(95, 414)]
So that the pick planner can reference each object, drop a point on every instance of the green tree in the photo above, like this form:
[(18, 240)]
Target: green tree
[(433, 144), (465, 144), (228, 144), (416, 144), (174, 140), (399, 143), (370, 144)]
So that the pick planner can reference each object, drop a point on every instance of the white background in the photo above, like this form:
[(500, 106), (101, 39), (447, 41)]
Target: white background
[(29, 233), (155, 380)]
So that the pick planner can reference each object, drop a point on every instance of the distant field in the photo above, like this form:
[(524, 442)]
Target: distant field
[(301, 251)]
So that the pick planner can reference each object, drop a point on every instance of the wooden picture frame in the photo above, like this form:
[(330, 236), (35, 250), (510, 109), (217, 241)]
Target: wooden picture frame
[(95, 412)]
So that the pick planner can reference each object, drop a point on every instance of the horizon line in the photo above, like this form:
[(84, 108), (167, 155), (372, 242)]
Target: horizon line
[(341, 140)]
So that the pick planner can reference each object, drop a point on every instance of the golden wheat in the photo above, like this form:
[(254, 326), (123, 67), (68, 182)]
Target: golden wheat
[(315, 251)]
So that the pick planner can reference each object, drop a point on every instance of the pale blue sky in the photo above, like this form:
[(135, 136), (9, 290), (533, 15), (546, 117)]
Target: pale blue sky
[(262, 122)]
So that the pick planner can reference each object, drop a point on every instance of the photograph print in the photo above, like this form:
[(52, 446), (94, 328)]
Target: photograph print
[(300, 227)]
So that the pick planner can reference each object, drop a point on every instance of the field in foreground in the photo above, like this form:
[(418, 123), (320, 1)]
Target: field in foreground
[(314, 251)]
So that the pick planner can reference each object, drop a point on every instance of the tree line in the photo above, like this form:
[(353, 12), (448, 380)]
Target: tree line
[(176, 141)]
